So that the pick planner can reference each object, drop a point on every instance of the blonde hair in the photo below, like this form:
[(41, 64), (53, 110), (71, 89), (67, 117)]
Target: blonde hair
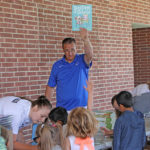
[(50, 136), (81, 123), (8, 136)]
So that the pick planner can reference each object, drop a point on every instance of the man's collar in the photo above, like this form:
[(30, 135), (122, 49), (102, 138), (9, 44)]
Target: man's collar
[(64, 58)]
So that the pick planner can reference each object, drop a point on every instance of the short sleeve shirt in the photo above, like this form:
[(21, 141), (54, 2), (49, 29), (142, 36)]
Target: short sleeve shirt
[(70, 79), (18, 108)]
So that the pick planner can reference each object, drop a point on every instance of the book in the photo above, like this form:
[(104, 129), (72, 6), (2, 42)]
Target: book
[(81, 17), (106, 118)]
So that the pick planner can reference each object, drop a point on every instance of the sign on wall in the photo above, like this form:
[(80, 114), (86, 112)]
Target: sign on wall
[(81, 17)]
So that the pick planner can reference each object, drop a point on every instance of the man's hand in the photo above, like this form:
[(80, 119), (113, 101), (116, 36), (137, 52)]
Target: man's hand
[(89, 87), (83, 34)]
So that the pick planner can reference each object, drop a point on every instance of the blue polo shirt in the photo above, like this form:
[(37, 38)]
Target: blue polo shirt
[(70, 79)]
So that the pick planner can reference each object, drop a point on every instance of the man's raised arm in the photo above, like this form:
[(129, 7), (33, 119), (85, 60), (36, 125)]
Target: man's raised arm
[(87, 46)]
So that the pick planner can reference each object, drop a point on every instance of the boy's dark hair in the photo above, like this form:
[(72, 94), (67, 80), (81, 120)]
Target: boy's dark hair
[(42, 101), (113, 99), (59, 114), (118, 113), (68, 41), (124, 98)]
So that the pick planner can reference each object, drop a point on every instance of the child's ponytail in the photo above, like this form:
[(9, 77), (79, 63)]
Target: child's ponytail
[(50, 136), (46, 141), (61, 136)]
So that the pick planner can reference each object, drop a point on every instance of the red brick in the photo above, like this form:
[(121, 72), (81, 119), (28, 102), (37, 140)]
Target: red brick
[(18, 26), (22, 40), (32, 92), (16, 6), (28, 8), (34, 78), (7, 84), (23, 69), (2, 4), (31, 73), (20, 74), (9, 94), (18, 36), (11, 60), (20, 83), (24, 79), (12, 89), (7, 65), (24, 88), (141, 70), (23, 59), (2, 91), (32, 31), (21, 93)]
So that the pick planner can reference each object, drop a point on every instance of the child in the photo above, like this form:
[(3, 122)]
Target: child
[(129, 130), (6, 139), (118, 113), (50, 135), (115, 106), (81, 127), (58, 114), (23, 113)]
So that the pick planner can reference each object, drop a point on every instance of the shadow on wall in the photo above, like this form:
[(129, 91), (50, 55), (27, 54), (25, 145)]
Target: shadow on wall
[(141, 53)]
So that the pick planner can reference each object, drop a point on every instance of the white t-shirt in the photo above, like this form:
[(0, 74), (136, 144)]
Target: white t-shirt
[(18, 108), (140, 89)]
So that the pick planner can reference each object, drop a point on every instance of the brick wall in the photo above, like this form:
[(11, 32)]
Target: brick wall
[(31, 32), (141, 51)]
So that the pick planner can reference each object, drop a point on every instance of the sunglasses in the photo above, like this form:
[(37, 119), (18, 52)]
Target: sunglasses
[(35, 139)]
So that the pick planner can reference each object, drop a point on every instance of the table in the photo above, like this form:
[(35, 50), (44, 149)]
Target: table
[(102, 142)]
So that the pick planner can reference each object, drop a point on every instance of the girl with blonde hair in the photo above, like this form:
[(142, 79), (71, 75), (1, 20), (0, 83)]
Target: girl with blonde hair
[(81, 127), (50, 137)]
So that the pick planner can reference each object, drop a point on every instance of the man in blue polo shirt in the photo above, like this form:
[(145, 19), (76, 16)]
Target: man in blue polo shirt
[(69, 74)]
